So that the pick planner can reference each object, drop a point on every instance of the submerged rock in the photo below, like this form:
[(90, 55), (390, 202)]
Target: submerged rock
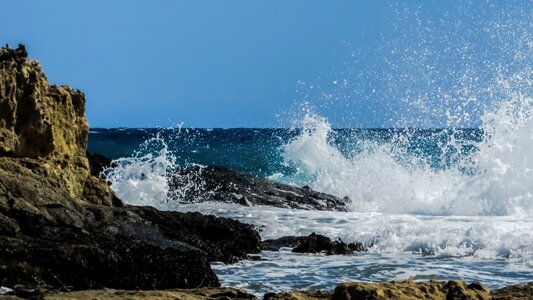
[(313, 243), (63, 228), (225, 185)]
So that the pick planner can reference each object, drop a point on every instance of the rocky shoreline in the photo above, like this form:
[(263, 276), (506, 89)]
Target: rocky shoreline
[(65, 235), (404, 290)]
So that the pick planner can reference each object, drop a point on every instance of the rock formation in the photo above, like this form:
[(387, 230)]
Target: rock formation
[(401, 290), (225, 185), (62, 228), (42, 122), (189, 294), (313, 243)]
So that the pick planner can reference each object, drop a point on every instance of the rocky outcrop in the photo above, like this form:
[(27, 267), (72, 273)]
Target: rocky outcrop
[(298, 295), (42, 121), (225, 185), (515, 291), (409, 289), (313, 243), (190, 294), (400, 290), (63, 228)]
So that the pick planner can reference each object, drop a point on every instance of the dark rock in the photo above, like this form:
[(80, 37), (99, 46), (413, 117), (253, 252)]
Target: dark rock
[(516, 291), (205, 293), (222, 239), (15, 55), (98, 163), (298, 295), (225, 185), (48, 238), (282, 242), (313, 243)]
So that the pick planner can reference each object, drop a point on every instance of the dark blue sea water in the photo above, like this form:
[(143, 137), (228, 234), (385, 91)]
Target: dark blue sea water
[(259, 151)]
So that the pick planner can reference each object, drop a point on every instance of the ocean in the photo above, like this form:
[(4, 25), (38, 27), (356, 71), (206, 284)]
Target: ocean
[(434, 203)]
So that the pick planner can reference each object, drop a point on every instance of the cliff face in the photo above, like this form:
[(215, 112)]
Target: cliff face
[(61, 227), (42, 122)]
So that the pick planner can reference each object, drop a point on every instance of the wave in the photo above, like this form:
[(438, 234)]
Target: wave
[(494, 179)]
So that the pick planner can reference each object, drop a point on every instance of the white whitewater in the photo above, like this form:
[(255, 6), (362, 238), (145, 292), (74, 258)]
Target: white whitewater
[(385, 178)]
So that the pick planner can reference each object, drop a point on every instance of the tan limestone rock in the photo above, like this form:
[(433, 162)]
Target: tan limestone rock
[(45, 123)]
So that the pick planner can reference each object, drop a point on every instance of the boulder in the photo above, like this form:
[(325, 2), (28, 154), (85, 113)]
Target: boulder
[(313, 243)]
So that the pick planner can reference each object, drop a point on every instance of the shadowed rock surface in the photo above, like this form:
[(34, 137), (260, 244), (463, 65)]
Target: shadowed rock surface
[(399, 290), (225, 185), (98, 163), (63, 228), (515, 291), (313, 243), (199, 294)]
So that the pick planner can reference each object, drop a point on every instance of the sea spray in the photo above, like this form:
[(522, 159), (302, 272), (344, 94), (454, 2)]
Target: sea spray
[(151, 175), (494, 177), (380, 177), (142, 178)]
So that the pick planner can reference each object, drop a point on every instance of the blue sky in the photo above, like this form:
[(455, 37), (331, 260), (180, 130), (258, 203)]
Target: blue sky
[(253, 63)]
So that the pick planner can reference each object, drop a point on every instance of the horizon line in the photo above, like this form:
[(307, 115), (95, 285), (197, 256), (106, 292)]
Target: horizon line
[(256, 128)]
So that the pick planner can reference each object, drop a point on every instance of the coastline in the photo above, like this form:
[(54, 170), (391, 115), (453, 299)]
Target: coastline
[(63, 229), (406, 289)]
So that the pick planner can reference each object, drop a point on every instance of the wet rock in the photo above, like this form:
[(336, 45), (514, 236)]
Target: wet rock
[(313, 243), (63, 228), (225, 185)]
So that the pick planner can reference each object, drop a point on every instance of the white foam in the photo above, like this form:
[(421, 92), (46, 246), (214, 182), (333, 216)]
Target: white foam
[(493, 249), (142, 178)]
